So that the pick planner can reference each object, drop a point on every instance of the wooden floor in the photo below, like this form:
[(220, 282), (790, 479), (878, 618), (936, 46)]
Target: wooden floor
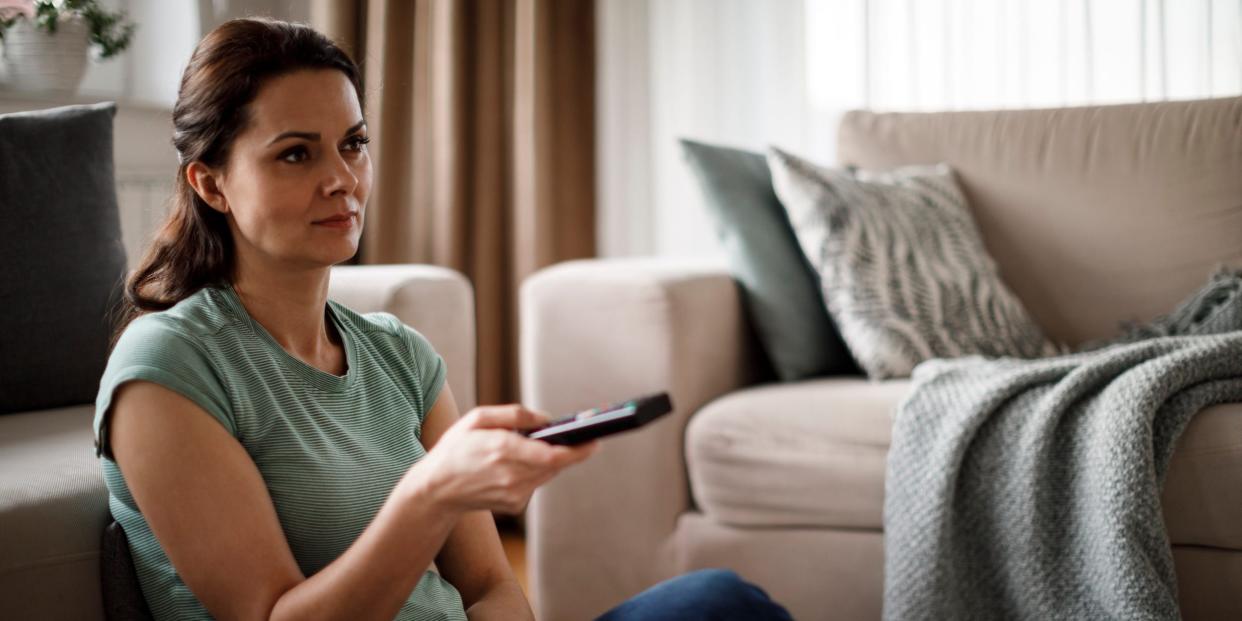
[(515, 548)]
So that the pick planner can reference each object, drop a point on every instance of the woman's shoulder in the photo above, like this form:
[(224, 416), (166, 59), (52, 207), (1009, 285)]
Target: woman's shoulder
[(174, 349), (368, 322), (194, 320), (387, 332), (382, 324)]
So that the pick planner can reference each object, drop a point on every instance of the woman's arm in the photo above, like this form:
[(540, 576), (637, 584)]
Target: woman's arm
[(472, 558), (209, 508)]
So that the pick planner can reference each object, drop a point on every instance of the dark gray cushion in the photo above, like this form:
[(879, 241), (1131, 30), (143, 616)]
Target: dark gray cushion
[(780, 287), (122, 593), (62, 259)]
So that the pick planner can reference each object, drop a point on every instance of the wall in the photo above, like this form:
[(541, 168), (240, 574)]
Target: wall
[(143, 82)]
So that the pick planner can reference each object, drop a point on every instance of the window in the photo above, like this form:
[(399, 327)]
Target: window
[(781, 72)]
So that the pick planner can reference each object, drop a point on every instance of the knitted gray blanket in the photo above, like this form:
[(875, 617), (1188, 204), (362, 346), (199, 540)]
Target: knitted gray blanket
[(1030, 489)]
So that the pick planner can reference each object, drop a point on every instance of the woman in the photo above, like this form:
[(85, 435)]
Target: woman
[(272, 454)]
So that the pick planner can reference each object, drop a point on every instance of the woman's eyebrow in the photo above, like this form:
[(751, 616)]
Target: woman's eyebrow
[(314, 136)]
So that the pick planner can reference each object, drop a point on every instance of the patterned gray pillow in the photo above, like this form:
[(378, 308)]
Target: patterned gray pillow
[(902, 265)]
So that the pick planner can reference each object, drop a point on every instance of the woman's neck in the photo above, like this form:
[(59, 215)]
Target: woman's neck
[(290, 306)]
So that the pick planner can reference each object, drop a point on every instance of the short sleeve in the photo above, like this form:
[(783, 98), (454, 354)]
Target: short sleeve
[(154, 349), (430, 366)]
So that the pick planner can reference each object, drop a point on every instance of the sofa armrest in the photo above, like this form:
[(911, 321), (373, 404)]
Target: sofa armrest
[(600, 331), (436, 301)]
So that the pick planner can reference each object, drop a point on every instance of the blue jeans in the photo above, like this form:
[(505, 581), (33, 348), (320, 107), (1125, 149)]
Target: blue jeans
[(704, 595)]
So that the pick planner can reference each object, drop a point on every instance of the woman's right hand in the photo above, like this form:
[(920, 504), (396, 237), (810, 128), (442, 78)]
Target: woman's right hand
[(480, 463)]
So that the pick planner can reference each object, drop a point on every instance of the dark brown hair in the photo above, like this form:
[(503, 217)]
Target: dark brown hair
[(194, 247)]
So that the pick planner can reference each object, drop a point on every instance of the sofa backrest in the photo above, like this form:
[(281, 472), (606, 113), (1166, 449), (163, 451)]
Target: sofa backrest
[(1095, 215)]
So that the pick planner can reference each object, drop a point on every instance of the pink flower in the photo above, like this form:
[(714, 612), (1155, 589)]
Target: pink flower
[(12, 8)]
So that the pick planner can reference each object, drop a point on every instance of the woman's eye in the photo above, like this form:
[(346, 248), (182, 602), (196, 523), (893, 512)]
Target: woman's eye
[(294, 155), (356, 143)]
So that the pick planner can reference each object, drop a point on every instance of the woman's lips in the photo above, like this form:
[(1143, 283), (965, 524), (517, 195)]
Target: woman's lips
[(336, 222)]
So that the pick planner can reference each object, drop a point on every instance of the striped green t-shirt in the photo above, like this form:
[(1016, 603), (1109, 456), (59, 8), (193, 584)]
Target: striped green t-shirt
[(330, 448)]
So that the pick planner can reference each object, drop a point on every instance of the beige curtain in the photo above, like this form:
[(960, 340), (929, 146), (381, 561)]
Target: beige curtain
[(481, 114)]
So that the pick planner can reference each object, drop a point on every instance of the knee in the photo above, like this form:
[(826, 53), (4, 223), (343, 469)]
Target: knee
[(712, 581), (704, 595), (721, 593)]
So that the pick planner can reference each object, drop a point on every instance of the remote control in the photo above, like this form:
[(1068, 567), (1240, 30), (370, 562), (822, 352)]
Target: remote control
[(603, 421)]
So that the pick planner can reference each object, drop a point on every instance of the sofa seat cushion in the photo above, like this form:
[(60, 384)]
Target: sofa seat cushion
[(798, 454), (1203, 488), (53, 511), (813, 454)]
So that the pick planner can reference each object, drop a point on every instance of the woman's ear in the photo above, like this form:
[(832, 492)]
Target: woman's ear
[(206, 185)]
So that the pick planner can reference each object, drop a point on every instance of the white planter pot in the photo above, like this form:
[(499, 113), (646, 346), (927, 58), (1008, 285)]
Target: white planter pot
[(38, 61)]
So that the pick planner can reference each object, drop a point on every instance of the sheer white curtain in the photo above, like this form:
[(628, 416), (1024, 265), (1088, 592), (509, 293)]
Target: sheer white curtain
[(751, 73)]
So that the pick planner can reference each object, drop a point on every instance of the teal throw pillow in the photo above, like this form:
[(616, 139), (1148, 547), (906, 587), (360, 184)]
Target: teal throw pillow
[(780, 288)]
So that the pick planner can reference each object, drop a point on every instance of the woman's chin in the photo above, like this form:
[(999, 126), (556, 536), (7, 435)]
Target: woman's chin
[(345, 255), (333, 254)]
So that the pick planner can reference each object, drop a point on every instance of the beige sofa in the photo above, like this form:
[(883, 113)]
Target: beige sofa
[(1095, 215), (53, 503)]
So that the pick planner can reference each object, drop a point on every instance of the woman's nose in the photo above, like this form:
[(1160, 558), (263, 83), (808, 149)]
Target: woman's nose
[(340, 176)]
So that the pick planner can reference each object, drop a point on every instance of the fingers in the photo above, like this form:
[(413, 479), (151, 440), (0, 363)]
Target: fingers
[(557, 458), (506, 448), (484, 464), (512, 416), (569, 455), (552, 455), (563, 457), (519, 465), (536, 453)]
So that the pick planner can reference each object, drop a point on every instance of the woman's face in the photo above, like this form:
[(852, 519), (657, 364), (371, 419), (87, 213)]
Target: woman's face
[(298, 176)]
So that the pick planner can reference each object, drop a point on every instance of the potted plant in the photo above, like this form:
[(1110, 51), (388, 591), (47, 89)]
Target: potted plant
[(46, 42)]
